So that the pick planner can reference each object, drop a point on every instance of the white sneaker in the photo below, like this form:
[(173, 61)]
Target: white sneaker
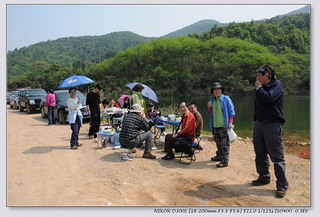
[(125, 157), (116, 147), (154, 148), (163, 134)]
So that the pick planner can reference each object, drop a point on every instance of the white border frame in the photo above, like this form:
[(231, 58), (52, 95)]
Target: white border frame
[(149, 211)]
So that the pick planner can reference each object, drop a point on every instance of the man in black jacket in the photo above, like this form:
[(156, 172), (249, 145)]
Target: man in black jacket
[(268, 129), (93, 106)]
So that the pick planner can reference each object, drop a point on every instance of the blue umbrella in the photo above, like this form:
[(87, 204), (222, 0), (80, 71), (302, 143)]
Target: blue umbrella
[(147, 91), (75, 80)]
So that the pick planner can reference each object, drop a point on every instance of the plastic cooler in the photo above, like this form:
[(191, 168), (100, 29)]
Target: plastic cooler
[(104, 138)]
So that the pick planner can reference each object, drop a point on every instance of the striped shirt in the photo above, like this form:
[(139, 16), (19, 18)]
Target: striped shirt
[(131, 126)]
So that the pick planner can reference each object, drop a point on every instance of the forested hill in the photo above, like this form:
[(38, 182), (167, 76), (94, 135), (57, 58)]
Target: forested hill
[(278, 34), (206, 25), (230, 54), (187, 66), (72, 50), (305, 9), (198, 28)]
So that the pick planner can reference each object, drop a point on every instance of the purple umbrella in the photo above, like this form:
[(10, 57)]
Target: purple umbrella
[(147, 91)]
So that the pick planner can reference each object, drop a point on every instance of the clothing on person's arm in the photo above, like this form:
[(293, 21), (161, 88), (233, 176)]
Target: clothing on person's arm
[(73, 104), (188, 125), (135, 99), (88, 99), (199, 123), (271, 92), (144, 124), (230, 119)]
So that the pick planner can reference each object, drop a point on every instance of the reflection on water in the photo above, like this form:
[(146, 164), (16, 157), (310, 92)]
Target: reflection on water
[(296, 111)]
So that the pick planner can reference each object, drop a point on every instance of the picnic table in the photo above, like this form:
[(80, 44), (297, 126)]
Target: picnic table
[(174, 124), (108, 112)]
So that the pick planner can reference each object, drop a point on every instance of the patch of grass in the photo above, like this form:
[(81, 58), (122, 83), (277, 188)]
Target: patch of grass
[(244, 133), (299, 137), (302, 136)]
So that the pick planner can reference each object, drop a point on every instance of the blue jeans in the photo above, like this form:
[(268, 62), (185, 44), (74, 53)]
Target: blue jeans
[(75, 132), (51, 115), (267, 140)]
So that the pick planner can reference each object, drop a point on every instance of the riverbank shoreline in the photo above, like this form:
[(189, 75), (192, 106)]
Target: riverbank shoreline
[(295, 143)]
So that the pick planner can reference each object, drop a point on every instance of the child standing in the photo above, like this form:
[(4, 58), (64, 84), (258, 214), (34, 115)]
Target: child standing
[(221, 111)]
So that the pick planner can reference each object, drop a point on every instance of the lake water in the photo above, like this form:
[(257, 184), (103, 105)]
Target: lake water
[(296, 111)]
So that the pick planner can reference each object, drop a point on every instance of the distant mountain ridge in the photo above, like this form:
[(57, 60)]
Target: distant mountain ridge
[(66, 51), (94, 49), (198, 27), (206, 25), (305, 9)]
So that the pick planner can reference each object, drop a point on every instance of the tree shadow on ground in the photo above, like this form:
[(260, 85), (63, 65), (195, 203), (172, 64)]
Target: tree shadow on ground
[(217, 190), (44, 149)]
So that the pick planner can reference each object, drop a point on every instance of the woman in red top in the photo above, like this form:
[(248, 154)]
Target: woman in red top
[(188, 128), (114, 104)]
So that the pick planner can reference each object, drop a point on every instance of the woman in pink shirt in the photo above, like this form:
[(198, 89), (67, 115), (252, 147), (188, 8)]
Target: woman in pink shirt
[(51, 103)]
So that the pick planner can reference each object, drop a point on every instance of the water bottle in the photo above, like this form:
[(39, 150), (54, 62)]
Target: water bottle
[(103, 143), (116, 143)]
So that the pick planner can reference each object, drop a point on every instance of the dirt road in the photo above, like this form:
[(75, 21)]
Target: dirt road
[(43, 171)]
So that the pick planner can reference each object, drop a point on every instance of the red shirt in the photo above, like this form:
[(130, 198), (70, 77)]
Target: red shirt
[(188, 126), (115, 105)]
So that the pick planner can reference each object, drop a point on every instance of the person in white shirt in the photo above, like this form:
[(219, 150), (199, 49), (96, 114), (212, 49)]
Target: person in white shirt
[(74, 117)]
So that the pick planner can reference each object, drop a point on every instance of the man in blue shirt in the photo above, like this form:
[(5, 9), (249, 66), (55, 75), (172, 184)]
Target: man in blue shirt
[(268, 129)]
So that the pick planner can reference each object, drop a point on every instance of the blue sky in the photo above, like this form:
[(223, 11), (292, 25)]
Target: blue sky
[(30, 24)]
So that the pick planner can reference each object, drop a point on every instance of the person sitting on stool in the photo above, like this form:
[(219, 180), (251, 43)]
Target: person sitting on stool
[(131, 136), (187, 129), (152, 114), (199, 121)]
